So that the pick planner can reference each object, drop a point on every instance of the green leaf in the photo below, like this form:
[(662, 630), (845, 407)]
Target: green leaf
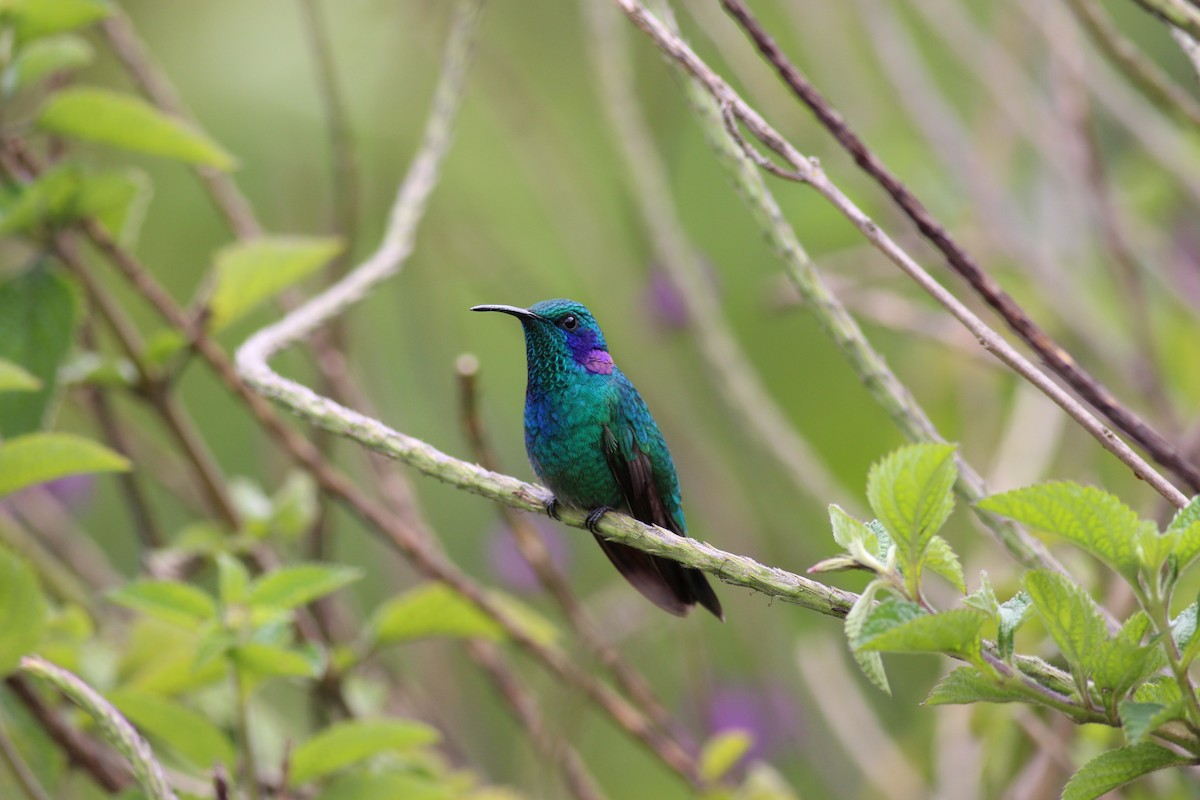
[(347, 743), (970, 685), (294, 506), (39, 457), (289, 587), (984, 598), (186, 732), (121, 120), (869, 662), (1090, 518), (942, 559), (233, 580), (1013, 613), (170, 601), (1117, 767), (44, 57), (38, 314), (386, 786), (1070, 615), (1185, 532), (911, 491), (248, 273), (956, 631), (259, 661), (117, 199), (22, 609), (849, 532), (431, 610), (1183, 630), (891, 612), (16, 379), (1142, 719), (722, 752), (36, 18), (1124, 661)]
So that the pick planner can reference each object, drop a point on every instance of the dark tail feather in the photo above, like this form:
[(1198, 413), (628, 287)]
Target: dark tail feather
[(666, 583)]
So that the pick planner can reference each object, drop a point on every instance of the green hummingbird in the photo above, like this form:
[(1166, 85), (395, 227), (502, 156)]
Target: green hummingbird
[(592, 441)]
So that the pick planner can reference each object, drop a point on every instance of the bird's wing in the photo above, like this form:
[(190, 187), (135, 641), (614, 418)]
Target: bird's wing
[(667, 583)]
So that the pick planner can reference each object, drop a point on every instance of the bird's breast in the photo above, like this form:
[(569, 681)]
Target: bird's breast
[(563, 434)]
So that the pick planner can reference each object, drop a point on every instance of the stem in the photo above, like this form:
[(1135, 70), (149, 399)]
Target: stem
[(11, 758), (241, 703)]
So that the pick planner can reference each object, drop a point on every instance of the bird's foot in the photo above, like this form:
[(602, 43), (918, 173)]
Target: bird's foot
[(593, 517), (552, 508)]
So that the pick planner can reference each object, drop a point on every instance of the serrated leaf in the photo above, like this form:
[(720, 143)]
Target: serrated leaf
[(39, 457), (1124, 661), (722, 752), (1116, 768), (984, 598), (170, 601), (956, 631), (233, 580), (1013, 613), (248, 273), (1141, 719), (128, 122), (44, 57), (1185, 532), (942, 559), (887, 614), (289, 587), (1153, 547), (970, 685), (14, 378), (1089, 518), (849, 532), (428, 611), (186, 732), (38, 315), (910, 491), (1183, 630), (386, 786), (1070, 615), (347, 743), (22, 609), (869, 662)]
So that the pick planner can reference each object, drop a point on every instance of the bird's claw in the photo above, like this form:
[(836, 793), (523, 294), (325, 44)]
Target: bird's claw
[(593, 517), (552, 508)]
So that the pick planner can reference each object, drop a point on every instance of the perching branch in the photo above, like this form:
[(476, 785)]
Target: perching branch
[(1051, 353)]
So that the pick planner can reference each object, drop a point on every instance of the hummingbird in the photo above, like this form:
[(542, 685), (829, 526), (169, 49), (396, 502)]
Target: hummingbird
[(592, 442)]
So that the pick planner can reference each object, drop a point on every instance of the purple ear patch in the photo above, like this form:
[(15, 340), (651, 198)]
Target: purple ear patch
[(598, 361)]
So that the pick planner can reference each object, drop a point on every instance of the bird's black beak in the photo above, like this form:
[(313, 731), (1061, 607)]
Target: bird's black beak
[(520, 313)]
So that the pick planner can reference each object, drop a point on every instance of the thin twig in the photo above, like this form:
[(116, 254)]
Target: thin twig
[(579, 781), (739, 386), (1190, 45), (1176, 13), (674, 47), (831, 315), (1141, 70), (1055, 357), (11, 758), (102, 764)]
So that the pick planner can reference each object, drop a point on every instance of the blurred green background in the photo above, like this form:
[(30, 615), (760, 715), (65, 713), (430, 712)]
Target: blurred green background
[(535, 202)]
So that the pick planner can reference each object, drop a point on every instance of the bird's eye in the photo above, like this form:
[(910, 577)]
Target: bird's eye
[(569, 322)]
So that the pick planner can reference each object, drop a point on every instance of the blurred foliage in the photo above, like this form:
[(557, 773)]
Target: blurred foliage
[(196, 639)]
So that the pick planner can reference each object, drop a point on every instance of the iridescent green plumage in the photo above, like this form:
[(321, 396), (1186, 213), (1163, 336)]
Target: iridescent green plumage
[(592, 440)]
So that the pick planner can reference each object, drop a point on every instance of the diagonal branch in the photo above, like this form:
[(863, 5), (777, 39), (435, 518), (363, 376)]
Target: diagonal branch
[(1051, 353), (813, 175)]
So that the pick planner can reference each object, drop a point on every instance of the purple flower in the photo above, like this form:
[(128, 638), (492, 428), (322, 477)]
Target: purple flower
[(768, 713), (72, 492), (510, 566)]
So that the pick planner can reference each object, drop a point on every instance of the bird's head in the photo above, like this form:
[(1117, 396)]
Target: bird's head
[(560, 335)]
